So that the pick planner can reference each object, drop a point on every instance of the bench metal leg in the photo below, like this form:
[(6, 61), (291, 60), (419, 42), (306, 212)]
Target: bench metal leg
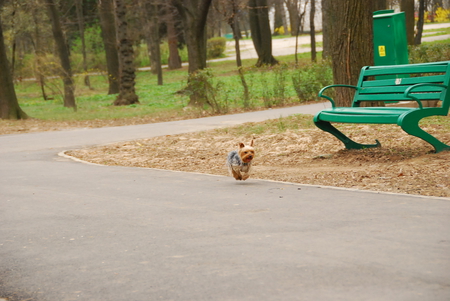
[(349, 143), (410, 124)]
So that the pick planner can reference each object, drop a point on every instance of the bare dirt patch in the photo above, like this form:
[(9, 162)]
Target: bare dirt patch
[(404, 164)]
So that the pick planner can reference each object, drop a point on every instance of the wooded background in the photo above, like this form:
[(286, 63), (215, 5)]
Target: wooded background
[(42, 38)]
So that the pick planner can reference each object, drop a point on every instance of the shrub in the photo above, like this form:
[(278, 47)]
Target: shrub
[(204, 85), (425, 53), (308, 80), (442, 15), (279, 86), (216, 47)]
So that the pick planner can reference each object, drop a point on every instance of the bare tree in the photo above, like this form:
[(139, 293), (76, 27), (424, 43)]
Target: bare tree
[(326, 29), (193, 15), (418, 37), (296, 15), (172, 37), (109, 36), (9, 106), (80, 19), (408, 7), (313, 30), (261, 35), (127, 94), (279, 17), (151, 11), (38, 50), (63, 53), (230, 10)]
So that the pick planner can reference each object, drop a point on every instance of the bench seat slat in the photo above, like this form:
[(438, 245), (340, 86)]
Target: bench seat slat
[(406, 69), (437, 79), (397, 97), (369, 110), (359, 118), (397, 89)]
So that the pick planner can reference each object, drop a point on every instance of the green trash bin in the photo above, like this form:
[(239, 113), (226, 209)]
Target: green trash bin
[(389, 38)]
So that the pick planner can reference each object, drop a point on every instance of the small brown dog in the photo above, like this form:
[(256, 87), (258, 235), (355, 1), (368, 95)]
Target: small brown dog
[(239, 161)]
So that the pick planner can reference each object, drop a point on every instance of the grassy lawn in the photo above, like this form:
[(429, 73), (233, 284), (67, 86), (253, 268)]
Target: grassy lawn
[(154, 99)]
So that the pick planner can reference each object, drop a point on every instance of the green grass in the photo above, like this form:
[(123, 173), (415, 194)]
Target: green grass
[(96, 104), (438, 31), (154, 100), (446, 41)]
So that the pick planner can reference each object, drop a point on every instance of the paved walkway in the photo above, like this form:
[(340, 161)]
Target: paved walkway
[(74, 231)]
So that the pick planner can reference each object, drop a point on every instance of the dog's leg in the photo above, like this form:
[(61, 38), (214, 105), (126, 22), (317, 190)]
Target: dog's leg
[(245, 176), (236, 174)]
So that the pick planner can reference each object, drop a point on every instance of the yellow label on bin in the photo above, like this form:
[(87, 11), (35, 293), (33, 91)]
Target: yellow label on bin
[(382, 50)]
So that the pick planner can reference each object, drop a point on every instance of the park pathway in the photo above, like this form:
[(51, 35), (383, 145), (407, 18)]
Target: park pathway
[(76, 231)]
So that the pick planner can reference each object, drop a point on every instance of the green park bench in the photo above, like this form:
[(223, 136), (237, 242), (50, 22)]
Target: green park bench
[(397, 83)]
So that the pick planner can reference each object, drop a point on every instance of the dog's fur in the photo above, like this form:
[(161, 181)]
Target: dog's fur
[(239, 161)]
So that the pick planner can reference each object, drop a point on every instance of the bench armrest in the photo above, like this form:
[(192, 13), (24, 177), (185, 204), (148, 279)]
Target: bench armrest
[(407, 91), (333, 86)]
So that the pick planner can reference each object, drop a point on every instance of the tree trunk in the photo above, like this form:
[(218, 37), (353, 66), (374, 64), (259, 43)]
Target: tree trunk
[(379, 5), (80, 17), (127, 94), (278, 18), (38, 53), (14, 38), (313, 30), (9, 106), (352, 46), (326, 29), (231, 13), (193, 15), (156, 52), (418, 37), (237, 47), (294, 15), (260, 29), (232, 20), (63, 52), (108, 25), (172, 37), (151, 21), (283, 15), (408, 7)]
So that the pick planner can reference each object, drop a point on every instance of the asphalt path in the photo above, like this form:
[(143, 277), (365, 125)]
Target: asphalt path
[(77, 231)]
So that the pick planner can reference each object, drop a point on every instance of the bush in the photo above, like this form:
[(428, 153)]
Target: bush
[(442, 15), (425, 53), (216, 47), (310, 79), (206, 88)]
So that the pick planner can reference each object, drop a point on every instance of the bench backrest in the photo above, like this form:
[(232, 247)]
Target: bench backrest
[(388, 83)]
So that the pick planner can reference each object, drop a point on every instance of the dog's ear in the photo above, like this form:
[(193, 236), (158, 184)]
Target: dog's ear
[(241, 145), (251, 143)]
